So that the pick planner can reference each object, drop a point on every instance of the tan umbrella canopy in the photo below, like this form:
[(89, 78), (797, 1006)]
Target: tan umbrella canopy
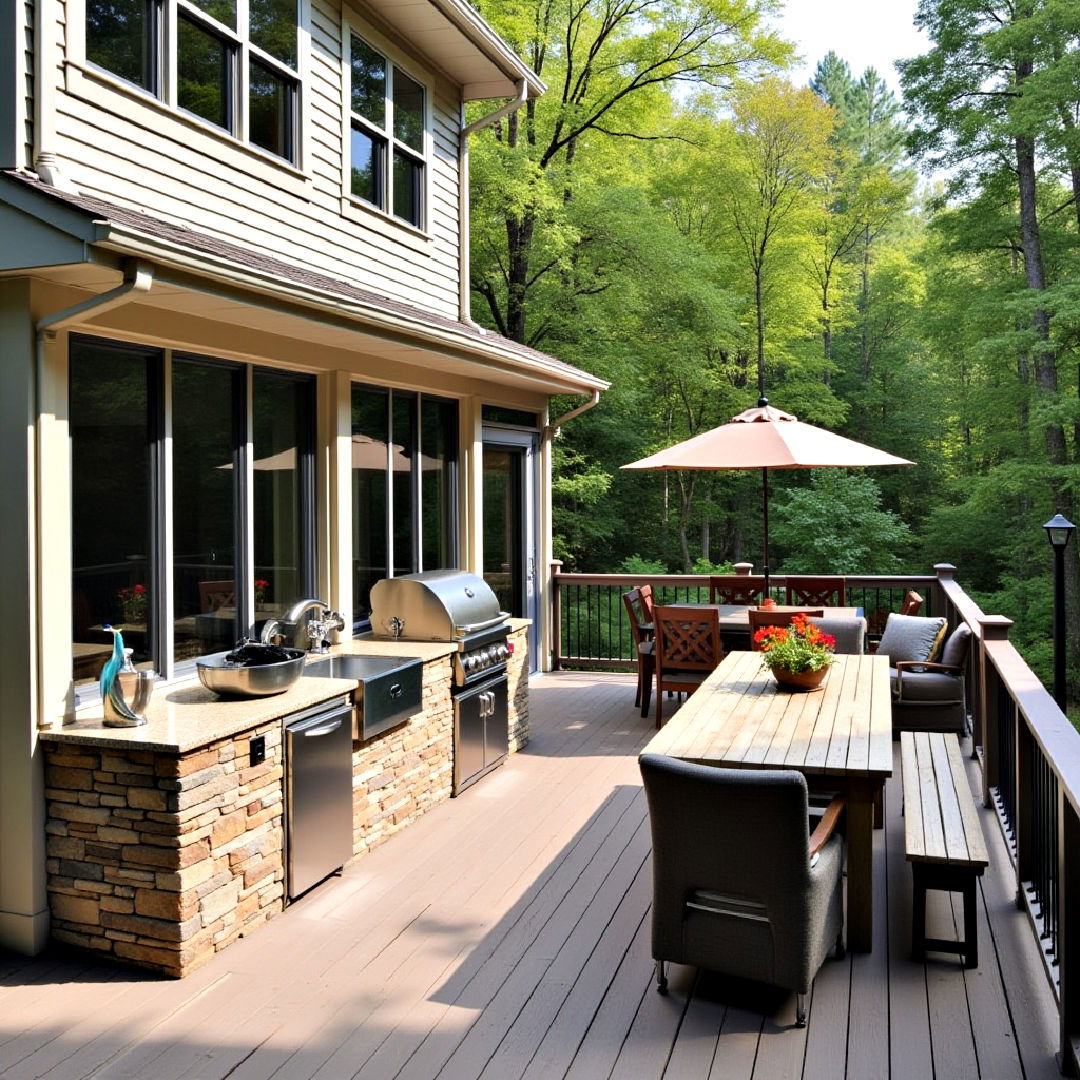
[(766, 438)]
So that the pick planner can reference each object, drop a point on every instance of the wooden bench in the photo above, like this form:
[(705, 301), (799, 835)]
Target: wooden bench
[(942, 835)]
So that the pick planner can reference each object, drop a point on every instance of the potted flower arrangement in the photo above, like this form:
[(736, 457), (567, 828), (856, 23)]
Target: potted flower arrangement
[(134, 600), (261, 585), (798, 655)]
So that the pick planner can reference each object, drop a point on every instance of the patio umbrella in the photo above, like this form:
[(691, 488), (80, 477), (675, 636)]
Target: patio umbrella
[(766, 438)]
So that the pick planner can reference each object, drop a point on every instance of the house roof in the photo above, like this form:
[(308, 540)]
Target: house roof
[(453, 34), (101, 224)]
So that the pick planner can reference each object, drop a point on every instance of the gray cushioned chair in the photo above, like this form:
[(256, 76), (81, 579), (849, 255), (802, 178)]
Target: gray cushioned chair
[(850, 633), (739, 886), (930, 696)]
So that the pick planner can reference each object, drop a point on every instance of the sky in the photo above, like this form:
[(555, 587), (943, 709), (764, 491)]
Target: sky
[(865, 33)]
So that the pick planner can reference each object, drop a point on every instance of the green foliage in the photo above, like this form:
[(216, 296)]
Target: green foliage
[(835, 525)]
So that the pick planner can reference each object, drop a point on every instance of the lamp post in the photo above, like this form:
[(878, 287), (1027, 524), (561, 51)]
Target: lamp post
[(1058, 531)]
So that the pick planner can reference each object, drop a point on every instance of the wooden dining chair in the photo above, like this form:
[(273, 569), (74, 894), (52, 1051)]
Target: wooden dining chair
[(911, 604), (829, 591), (639, 606), (736, 589), (687, 649), (758, 619)]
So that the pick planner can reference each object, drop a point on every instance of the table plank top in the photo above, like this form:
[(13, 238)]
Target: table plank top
[(740, 717)]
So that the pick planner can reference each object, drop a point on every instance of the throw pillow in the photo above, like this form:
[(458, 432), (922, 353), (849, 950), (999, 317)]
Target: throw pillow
[(955, 650), (911, 637)]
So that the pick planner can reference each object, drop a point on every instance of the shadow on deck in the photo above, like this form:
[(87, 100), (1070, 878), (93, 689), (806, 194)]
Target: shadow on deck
[(506, 934)]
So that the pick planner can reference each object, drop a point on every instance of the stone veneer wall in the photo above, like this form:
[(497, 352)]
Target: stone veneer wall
[(163, 859), (518, 690), (401, 774)]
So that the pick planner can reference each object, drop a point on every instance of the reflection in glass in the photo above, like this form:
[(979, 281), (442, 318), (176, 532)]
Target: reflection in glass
[(205, 617), (368, 155), (502, 499), (272, 27), (405, 478), (270, 98), (368, 83), (408, 110), (202, 73), (282, 447), (438, 445), (222, 10), (408, 177), (118, 39), (111, 497), (370, 436)]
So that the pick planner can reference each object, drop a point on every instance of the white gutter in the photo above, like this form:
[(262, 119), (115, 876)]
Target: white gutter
[(46, 163), (138, 279), (464, 307), (553, 427)]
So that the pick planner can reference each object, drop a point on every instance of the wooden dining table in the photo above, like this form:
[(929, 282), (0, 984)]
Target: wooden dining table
[(838, 736)]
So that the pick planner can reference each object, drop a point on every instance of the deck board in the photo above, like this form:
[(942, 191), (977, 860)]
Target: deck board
[(506, 935)]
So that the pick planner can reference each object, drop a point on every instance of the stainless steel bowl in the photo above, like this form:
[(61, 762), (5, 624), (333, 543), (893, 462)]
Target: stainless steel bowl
[(252, 680)]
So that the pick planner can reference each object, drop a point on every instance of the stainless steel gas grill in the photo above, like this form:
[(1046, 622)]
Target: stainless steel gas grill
[(454, 606)]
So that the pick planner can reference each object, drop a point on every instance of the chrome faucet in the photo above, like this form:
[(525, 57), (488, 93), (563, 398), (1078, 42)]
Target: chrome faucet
[(312, 635)]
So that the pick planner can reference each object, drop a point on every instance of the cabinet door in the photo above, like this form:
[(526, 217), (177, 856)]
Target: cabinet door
[(469, 740), (496, 735)]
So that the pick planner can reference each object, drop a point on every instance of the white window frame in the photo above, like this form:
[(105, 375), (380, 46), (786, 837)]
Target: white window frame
[(394, 62)]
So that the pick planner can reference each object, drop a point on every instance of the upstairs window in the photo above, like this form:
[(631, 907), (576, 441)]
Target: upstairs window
[(388, 129), (235, 62)]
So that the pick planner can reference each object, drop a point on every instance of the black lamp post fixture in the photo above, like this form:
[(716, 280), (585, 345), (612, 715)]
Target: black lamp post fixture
[(1058, 531)]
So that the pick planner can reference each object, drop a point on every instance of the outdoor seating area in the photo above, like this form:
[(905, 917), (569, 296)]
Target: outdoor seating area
[(527, 952)]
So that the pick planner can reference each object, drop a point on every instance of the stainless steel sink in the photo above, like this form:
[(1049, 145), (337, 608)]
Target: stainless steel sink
[(390, 689)]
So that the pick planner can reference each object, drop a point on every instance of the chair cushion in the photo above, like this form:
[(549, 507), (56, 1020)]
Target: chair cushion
[(850, 632), (911, 637), (954, 651), (928, 686)]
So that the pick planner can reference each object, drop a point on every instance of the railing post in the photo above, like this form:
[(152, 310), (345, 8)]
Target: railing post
[(743, 568), (1068, 936), (945, 572), (556, 615), (984, 714)]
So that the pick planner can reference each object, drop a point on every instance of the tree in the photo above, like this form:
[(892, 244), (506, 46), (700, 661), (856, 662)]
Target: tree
[(609, 64)]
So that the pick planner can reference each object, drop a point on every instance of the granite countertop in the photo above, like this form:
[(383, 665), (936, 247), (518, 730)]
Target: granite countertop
[(185, 716)]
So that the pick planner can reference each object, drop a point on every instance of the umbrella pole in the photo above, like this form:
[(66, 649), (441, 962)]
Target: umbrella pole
[(765, 496)]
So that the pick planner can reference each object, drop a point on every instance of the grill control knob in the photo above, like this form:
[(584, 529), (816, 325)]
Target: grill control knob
[(502, 652)]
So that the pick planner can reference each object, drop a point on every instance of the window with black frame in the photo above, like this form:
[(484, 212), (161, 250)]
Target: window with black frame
[(387, 134), (404, 487), (123, 401), (237, 64)]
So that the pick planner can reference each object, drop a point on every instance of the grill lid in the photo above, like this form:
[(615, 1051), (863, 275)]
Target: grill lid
[(434, 605)]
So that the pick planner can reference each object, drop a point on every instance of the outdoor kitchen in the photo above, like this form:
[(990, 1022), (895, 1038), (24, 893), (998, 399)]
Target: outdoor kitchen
[(169, 840)]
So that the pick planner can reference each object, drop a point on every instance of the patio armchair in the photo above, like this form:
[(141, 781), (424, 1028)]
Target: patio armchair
[(639, 606), (736, 589), (912, 603), (687, 649), (849, 631), (930, 695), (828, 591), (758, 619), (739, 885)]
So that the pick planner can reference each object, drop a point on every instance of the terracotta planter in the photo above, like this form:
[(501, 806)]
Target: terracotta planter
[(799, 680)]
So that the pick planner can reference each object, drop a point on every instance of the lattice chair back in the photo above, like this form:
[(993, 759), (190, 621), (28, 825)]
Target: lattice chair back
[(829, 591)]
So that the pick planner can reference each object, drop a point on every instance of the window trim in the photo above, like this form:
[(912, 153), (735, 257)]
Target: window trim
[(162, 37), (394, 59)]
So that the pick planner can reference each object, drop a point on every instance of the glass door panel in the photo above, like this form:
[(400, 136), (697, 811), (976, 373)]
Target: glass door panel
[(205, 399)]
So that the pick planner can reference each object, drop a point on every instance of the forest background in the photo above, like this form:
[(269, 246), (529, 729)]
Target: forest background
[(677, 217)]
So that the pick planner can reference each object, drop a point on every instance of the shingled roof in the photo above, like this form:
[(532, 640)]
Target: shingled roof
[(333, 289)]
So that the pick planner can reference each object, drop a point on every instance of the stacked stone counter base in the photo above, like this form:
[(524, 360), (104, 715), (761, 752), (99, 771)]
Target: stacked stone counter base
[(162, 859)]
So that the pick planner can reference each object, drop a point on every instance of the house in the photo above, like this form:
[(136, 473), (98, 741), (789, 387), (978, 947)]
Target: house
[(238, 366)]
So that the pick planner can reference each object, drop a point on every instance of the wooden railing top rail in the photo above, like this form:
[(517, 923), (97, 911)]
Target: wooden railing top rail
[(884, 581), (1055, 736), (965, 607)]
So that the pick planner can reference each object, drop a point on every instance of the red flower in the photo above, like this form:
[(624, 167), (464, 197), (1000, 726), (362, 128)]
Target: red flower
[(140, 589)]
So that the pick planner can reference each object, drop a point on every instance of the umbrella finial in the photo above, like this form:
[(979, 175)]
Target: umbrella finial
[(762, 402)]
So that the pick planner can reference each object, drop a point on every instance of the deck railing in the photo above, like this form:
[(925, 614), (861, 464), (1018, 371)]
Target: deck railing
[(1028, 751)]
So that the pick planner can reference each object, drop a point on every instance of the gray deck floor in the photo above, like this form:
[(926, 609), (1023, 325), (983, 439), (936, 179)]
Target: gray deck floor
[(506, 935)]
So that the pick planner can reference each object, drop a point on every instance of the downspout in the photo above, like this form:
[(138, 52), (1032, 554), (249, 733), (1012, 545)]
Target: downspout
[(138, 278), (464, 307), (46, 163), (552, 428)]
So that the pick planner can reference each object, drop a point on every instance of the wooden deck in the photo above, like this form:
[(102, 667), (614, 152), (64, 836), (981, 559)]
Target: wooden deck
[(507, 935)]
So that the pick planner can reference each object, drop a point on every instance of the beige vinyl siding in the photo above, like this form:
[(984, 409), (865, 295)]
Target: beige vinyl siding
[(122, 146)]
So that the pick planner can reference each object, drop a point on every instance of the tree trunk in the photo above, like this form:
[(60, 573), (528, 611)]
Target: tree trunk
[(760, 304)]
